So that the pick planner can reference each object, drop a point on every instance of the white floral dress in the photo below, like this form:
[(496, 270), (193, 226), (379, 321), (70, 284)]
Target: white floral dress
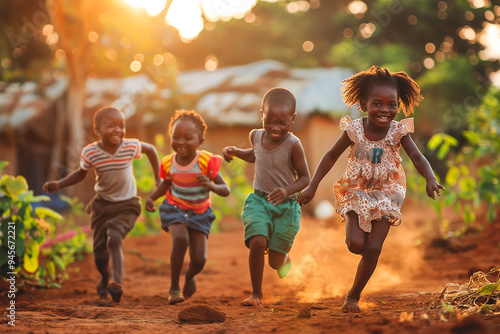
[(373, 184)]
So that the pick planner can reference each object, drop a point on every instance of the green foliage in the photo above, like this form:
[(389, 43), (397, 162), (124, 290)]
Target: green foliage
[(472, 178), (24, 230)]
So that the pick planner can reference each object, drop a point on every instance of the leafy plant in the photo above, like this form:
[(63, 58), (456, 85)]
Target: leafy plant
[(473, 176), (479, 295), (24, 230)]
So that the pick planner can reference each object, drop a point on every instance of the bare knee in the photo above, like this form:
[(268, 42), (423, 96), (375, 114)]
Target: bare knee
[(198, 263), (372, 251), (276, 262), (354, 246), (114, 242), (258, 243), (180, 240)]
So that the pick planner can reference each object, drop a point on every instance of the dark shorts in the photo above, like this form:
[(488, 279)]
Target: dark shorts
[(172, 214), (112, 219), (278, 223)]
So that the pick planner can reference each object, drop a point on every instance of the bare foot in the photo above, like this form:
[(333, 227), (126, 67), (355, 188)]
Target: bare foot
[(252, 301), (116, 291), (189, 288), (102, 289), (351, 306)]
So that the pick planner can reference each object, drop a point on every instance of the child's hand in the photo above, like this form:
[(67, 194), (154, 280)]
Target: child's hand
[(229, 152), (277, 196), (306, 195), (205, 181), (433, 186), (51, 186), (150, 205)]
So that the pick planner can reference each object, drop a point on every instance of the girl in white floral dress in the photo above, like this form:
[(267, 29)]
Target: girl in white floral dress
[(370, 193)]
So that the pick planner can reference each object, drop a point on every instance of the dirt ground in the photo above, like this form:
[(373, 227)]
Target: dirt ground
[(411, 274)]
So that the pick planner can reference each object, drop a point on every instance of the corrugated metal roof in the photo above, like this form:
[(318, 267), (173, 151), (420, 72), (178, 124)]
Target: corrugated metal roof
[(226, 96), (233, 95)]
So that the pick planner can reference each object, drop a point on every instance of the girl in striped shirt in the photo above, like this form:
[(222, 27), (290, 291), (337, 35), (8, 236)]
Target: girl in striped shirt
[(189, 175)]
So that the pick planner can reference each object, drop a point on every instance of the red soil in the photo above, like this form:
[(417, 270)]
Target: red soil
[(408, 280)]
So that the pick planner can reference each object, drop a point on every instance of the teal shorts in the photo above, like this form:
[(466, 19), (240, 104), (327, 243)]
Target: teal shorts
[(279, 224)]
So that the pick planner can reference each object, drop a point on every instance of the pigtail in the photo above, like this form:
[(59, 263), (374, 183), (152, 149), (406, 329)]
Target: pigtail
[(409, 92), (355, 88)]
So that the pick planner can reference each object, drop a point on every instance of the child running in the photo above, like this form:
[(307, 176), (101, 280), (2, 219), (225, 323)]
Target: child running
[(370, 193), (271, 215), (189, 175), (115, 207)]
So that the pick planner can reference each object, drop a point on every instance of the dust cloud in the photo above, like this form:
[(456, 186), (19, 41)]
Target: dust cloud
[(323, 267)]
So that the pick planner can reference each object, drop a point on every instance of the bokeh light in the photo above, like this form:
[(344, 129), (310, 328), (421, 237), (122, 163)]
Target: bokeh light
[(308, 46), (135, 66), (211, 63)]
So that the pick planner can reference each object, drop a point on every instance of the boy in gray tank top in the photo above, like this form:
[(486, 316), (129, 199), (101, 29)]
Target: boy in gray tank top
[(271, 216)]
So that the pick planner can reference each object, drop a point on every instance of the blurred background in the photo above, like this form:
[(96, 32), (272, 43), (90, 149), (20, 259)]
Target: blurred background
[(61, 60)]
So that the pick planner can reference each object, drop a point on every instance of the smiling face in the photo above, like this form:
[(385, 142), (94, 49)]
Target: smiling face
[(111, 128), (381, 105), (185, 139), (277, 119)]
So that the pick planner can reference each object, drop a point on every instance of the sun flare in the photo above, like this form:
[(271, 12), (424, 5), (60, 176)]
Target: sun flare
[(187, 15), (153, 7)]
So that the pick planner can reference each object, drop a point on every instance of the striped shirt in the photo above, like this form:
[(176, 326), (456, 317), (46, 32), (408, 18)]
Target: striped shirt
[(114, 175), (186, 192)]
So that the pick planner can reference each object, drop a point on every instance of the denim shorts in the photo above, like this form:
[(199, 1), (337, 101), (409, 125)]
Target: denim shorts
[(278, 223), (172, 214)]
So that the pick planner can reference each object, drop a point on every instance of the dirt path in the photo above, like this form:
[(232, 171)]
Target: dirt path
[(407, 279)]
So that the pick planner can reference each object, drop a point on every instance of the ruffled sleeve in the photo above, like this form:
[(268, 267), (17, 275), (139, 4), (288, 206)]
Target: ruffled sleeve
[(404, 127), (346, 124)]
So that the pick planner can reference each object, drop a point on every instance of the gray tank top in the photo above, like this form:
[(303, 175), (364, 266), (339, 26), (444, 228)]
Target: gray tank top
[(273, 168)]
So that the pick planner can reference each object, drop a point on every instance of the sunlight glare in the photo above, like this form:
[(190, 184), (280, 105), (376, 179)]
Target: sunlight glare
[(186, 16), (224, 10), (153, 7)]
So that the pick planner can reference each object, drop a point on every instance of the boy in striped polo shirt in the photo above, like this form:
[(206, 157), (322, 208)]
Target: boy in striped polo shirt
[(189, 175), (115, 207)]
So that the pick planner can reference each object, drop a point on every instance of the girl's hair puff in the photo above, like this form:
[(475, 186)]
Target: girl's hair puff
[(358, 87), (189, 115)]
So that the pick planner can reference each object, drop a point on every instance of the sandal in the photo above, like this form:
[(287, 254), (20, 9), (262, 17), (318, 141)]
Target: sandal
[(175, 297), (116, 291)]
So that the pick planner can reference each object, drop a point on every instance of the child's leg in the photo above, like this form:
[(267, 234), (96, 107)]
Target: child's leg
[(102, 266), (280, 262), (372, 246), (180, 242), (257, 245), (114, 246), (198, 255)]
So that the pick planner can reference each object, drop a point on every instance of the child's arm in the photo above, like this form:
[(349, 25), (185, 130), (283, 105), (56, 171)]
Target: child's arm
[(157, 193), (72, 178), (422, 165), (150, 151), (247, 155), (219, 186), (326, 163), (299, 162), (231, 151)]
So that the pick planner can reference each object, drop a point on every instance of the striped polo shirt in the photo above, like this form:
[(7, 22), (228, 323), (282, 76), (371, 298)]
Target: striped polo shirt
[(186, 192), (114, 175)]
